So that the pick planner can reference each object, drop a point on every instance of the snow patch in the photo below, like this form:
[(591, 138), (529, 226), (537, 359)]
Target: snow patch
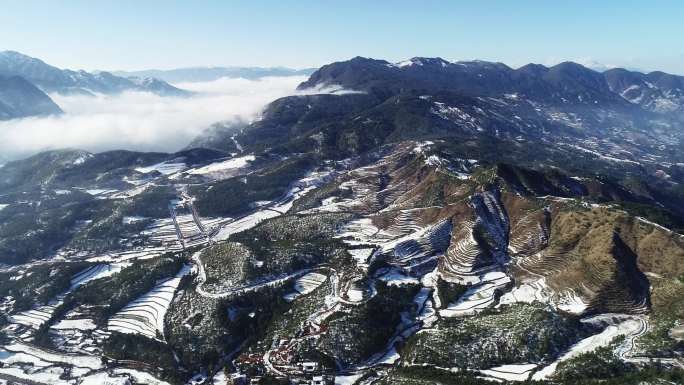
[(226, 165), (165, 168), (145, 315), (513, 372)]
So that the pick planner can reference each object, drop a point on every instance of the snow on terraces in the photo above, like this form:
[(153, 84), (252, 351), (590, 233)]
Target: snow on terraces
[(32, 363), (100, 193), (329, 205), (145, 315), (568, 301), (576, 296), (159, 237), (358, 291), (406, 222), (477, 256), (165, 168), (492, 216), (528, 235), (369, 195), (139, 188), (362, 231), (478, 245), (456, 115), (479, 296), (245, 223), (622, 325), (511, 372), (223, 168), (76, 334), (568, 119), (410, 248), (117, 376), (417, 250), (189, 233), (538, 291), (372, 187), (36, 317), (385, 198), (396, 277), (546, 262), (535, 291), (361, 256), (95, 272), (305, 285), (462, 259), (136, 253), (299, 188), (422, 147), (459, 168), (163, 231), (309, 282)]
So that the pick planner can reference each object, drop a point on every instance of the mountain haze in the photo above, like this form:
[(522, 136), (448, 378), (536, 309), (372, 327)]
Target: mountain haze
[(207, 74), (53, 79)]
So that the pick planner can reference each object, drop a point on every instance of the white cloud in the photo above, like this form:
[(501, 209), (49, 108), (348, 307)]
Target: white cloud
[(594, 64), (141, 121), (586, 61)]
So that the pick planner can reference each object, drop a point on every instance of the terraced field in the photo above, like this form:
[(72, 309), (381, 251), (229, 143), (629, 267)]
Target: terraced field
[(371, 270), (146, 314)]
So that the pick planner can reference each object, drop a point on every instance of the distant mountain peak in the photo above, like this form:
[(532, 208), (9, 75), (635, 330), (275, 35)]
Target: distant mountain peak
[(566, 82), (423, 61), (53, 79), (211, 73)]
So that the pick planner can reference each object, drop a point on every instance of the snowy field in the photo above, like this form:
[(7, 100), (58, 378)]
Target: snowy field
[(305, 285), (625, 327), (222, 168), (34, 318), (145, 315), (478, 297), (299, 189), (513, 372)]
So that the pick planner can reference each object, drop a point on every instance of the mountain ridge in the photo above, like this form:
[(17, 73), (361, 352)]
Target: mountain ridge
[(19, 98), (433, 227), (203, 74), (467, 77), (53, 79)]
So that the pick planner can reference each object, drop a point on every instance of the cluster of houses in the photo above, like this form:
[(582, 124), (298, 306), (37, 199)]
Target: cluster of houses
[(298, 372)]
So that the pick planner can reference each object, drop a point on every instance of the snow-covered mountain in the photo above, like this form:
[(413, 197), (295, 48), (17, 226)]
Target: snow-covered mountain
[(655, 91), (567, 83), (64, 81), (447, 223), (205, 74)]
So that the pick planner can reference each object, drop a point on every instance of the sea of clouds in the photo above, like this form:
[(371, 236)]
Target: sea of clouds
[(139, 120)]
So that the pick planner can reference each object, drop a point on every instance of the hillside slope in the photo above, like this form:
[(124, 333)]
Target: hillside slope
[(426, 228), (19, 99), (53, 79)]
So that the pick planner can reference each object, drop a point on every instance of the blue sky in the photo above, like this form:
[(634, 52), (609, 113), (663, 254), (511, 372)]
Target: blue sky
[(167, 34)]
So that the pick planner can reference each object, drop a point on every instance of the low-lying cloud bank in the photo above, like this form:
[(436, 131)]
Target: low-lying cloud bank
[(141, 121)]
